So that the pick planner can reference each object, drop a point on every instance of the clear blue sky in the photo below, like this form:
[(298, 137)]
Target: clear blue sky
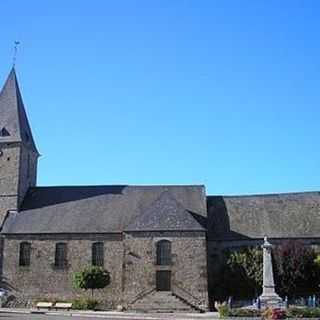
[(221, 93)]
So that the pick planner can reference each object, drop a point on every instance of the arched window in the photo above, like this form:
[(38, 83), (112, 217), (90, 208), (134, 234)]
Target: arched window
[(97, 254), (163, 253), (24, 254), (60, 259)]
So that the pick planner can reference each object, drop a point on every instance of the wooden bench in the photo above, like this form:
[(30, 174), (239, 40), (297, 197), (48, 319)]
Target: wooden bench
[(63, 306), (44, 305)]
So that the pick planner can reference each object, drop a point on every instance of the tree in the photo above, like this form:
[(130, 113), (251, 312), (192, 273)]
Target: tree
[(91, 278), (238, 273), (246, 265), (296, 269)]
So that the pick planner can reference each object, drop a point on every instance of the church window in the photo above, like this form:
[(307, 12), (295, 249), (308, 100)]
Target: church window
[(61, 256), (24, 254), (4, 132), (164, 253), (97, 254)]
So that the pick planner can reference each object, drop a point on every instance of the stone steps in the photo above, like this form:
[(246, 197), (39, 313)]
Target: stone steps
[(161, 301)]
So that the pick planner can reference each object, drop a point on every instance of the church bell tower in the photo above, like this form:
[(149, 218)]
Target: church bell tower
[(18, 152)]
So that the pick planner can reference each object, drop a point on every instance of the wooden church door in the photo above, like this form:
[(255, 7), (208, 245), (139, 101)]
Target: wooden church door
[(163, 280)]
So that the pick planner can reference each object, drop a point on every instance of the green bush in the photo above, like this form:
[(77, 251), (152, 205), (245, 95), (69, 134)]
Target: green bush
[(303, 313), (92, 304), (84, 304), (79, 304), (239, 274), (91, 278), (225, 312), (245, 313)]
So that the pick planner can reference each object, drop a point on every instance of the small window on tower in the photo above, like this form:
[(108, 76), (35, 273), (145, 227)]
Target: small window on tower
[(4, 132)]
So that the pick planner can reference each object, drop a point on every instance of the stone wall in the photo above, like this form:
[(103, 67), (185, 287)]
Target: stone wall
[(42, 279), (131, 263), (27, 171), (18, 171), (9, 169), (9, 178), (188, 269)]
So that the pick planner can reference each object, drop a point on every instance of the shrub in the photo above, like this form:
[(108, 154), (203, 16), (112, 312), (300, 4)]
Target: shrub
[(91, 278), (274, 314), (296, 269), (279, 314), (92, 304), (247, 313), (267, 313), (84, 304), (246, 265), (303, 313), (224, 311), (239, 275), (317, 261)]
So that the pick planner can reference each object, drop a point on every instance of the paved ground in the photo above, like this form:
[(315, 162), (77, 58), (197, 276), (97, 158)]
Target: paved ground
[(110, 316), (15, 316)]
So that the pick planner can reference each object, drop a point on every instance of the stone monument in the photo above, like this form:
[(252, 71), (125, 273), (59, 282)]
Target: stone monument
[(269, 296)]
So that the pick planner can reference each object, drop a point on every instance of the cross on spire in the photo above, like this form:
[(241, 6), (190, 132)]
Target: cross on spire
[(15, 51)]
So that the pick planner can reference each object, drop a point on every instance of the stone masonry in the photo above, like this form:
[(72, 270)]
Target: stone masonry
[(131, 264)]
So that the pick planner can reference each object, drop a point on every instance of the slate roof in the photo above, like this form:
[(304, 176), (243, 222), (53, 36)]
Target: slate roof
[(166, 213), (291, 215), (13, 118), (107, 209)]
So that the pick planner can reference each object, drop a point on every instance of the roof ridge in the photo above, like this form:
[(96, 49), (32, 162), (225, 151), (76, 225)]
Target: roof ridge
[(266, 194), (121, 185)]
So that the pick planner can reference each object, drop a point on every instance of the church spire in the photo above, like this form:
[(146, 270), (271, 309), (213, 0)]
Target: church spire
[(14, 124)]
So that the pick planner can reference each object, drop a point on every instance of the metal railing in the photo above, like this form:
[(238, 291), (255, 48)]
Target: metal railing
[(142, 294), (187, 297)]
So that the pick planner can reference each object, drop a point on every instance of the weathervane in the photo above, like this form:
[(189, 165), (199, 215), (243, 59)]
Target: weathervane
[(16, 43)]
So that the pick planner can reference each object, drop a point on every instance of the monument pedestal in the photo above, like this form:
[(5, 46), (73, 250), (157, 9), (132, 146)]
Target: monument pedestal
[(269, 296), (270, 300)]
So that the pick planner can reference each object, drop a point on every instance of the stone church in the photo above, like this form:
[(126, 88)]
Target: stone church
[(161, 244)]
